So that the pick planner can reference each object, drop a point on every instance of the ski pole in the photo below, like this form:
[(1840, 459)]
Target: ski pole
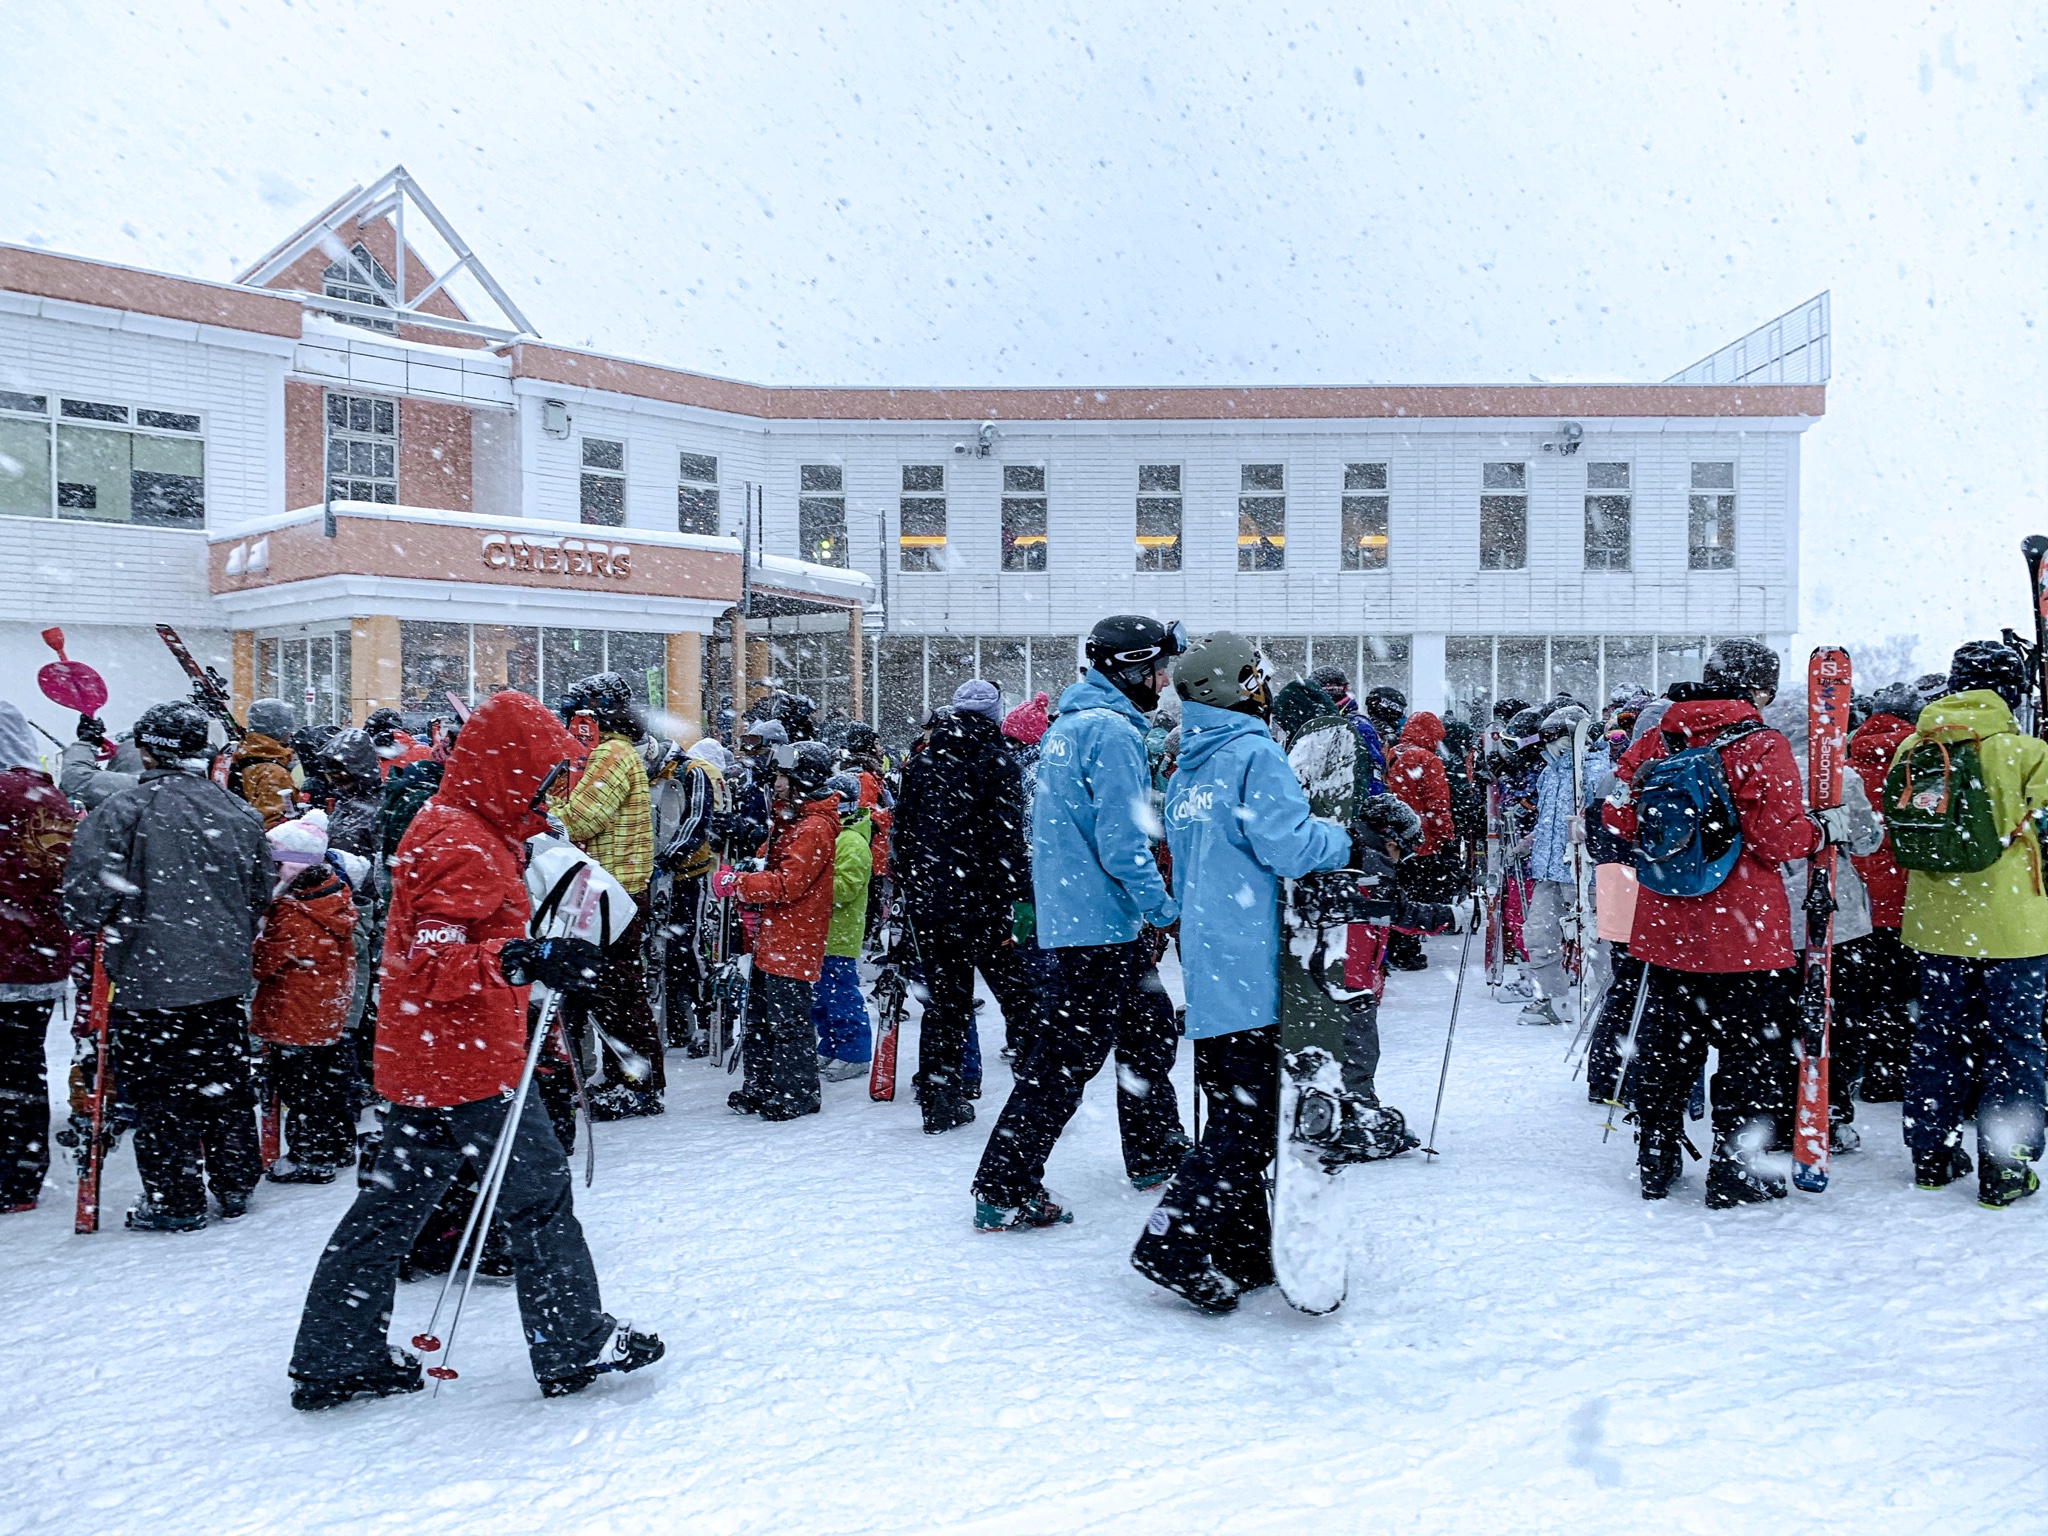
[(1628, 1052), (1450, 1034), (486, 1205)]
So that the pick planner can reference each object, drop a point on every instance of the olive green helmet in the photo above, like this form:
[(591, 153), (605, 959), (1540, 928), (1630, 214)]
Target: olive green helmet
[(1221, 670)]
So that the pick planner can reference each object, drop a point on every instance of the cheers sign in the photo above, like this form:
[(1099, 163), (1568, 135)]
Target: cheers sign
[(557, 557)]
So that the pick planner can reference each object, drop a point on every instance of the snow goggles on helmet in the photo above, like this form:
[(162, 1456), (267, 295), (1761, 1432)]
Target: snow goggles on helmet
[(1173, 643), (784, 755)]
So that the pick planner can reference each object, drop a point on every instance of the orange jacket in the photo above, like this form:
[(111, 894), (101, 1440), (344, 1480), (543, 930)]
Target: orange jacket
[(794, 892), (306, 962)]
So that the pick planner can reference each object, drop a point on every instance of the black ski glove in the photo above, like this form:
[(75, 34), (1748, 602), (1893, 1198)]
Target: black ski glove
[(564, 965), (92, 730)]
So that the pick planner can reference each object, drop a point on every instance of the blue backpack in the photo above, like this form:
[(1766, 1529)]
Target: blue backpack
[(1688, 835)]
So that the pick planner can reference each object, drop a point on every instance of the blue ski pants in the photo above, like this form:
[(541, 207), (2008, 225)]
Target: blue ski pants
[(840, 1012), (1986, 1015)]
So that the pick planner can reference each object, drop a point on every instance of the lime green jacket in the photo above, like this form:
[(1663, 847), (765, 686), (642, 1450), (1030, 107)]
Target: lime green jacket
[(2000, 913), (853, 862)]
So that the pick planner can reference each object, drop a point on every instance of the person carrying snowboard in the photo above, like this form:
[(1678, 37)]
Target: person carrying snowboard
[(451, 1043), (1237, 823), (1981, 934), (1720, 965), (1095, 884), (1553, 889)]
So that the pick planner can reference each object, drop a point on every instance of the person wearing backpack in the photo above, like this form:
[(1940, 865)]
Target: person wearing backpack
[(1712, 800), (1959, 803)]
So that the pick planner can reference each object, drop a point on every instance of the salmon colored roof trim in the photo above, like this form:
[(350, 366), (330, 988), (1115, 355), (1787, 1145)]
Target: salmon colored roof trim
[(78, 281)]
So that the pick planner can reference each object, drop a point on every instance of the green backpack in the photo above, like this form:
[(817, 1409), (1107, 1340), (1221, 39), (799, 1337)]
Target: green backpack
[(1938, 812)]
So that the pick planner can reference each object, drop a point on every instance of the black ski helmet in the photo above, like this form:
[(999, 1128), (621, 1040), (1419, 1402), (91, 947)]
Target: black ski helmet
[(1740, 667), (1988, 664), (610, 697), (1127, 648), (173, 732), (808, 765), (382, 723)]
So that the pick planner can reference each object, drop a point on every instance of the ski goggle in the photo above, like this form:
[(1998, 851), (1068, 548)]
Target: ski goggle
[(784, 754), (1175, 643)]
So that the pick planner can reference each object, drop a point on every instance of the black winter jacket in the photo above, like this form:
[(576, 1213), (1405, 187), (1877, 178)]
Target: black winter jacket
[(958, 845), (177, 871)]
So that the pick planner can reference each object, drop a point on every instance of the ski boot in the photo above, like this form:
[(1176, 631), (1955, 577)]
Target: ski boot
[(234, 1203), (145, 1217), (400, 1373), (1658, 1164), (1189, 1276), (1731, 1182), (620, 1101), (743, 1101), (1844, 1137), (2002, 1184), (624, 1351), (834, 1071), (778, 1110), (288, 1170), (944, 1110), (1540, 1012), (1037, 1210), (1941, 1168), (1152, 1178)]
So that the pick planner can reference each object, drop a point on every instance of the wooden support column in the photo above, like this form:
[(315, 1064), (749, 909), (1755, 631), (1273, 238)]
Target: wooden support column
[(374, 673), (686, 686), (856, 699), (242, 671)]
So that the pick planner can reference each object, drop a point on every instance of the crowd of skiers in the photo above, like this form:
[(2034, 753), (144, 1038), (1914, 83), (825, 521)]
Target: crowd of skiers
[(316, 924)]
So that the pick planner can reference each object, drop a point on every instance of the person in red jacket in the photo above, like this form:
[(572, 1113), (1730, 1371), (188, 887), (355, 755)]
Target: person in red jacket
[(794, 897), (36, 823), (305, 966), (1417, 778), (451, 1043), (1876, 978), (1720, 967)]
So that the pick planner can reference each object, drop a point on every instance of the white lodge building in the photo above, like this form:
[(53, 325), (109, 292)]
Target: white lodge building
[(350, 499)]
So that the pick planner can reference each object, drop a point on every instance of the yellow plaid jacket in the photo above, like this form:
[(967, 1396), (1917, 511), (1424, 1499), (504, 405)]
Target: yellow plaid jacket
[(609, 815)]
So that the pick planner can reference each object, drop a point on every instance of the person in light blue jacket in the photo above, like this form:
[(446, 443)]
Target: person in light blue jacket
[(1238, 824), (1553, 893), (1095, 885)]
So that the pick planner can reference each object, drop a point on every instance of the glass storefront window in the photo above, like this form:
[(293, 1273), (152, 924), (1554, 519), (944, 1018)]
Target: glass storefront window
[(1385, 664), (566, 656), (952, 663), (506, 656), (1631, 663), (1679, 659), (644, 659), (1468, 676), (1054, 664), (1575, 669), (899, 687), (1004, 662), (1520, 669), (1289, 656), (433, 661)]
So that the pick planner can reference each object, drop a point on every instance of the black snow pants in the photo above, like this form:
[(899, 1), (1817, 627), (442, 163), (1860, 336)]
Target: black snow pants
[(186, 1072), (1214, 1210), (781, 1045), (1610, 1030), (24, 1100), (1099, 1005), (315, 1090), (951, 953), (1752, 1019), (348, 1307), (1876, 984), (1361, 1049)]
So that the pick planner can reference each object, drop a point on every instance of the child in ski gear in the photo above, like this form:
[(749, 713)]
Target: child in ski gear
[(305, 977), (1094, 885), (1238, 824), (1553, 891), (794, 896), (1722, 970), (1982, 939), (840, 1013), (609, 816), (962, 866), (260, 770), (451, 1046), (1876, 978), (36, 827), (177, 874)]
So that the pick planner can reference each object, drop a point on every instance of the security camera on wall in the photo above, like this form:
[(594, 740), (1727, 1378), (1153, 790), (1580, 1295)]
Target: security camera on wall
[(1566, 443), (554, 419)]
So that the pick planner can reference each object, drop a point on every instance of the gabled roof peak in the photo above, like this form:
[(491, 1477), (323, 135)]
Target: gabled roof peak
[(333, 231)]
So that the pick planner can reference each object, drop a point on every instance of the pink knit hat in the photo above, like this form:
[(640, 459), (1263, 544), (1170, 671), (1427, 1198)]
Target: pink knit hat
[(1027, 722)]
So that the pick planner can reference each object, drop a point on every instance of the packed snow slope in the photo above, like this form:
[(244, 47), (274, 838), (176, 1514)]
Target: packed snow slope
[(1527, 1345)]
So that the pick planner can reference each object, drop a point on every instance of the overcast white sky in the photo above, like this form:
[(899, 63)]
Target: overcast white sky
[(1024, 193)]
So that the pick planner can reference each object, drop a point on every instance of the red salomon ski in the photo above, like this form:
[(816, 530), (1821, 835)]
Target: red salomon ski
[(1827, 721)]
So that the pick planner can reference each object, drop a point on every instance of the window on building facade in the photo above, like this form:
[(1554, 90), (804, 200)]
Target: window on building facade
[(1023, 517), (921, 512), (1609, 518), (98, 461), (1159, 517), (1262, 517), (1503, 517), (310, 673), (604, 482), (362, 449), (1710, 518), (1365, 517), (821, 514), (361, 281), (697, 494)]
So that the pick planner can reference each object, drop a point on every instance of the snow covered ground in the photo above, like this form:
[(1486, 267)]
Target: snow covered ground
[(1528, 1346)]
